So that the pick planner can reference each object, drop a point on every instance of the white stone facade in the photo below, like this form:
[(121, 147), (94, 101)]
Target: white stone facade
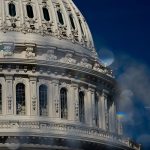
[(52, 85)]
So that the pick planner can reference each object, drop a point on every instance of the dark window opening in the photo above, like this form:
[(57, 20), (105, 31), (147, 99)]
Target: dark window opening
[(43, 100), (46, 14), (29, 11), (63, 101), (72, 21), (12, 9), (96, 110), (60, 17), (20, 99), (81, 107)]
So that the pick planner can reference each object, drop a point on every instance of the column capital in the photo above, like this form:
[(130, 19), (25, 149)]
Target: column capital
[(91, 89), (9, 77), (104, 92)]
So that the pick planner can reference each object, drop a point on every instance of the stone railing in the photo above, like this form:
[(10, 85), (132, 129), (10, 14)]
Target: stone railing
[(66, 130)]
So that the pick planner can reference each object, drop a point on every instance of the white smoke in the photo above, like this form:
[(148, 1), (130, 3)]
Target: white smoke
[(134, 81)]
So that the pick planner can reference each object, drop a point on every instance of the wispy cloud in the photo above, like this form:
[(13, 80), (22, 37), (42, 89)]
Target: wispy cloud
[(134, 81)]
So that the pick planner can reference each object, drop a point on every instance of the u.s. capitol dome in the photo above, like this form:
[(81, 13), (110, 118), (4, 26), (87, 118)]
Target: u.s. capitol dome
[(54, 93)]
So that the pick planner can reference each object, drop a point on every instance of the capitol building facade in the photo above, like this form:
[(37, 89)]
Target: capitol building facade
[(54, 92)]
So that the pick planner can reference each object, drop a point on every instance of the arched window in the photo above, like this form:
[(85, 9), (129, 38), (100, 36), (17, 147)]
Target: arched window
[(60, 17), (81, 107), (0, 98), (43, 100), (72, 21), (63, 102), (80, 22), (29, 11), (96, 110), (12, 9), (46, 14), (20, 99)]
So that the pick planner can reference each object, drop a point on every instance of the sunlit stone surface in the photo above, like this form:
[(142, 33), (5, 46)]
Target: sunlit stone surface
[(54, 92)]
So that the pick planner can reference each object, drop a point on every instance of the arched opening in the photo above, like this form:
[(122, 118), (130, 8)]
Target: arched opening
[(29, 11), (43, 100), (60, 17), (72, 21), (20, 99), (12, 9), (46, 14), (81, 107), (63, 102)]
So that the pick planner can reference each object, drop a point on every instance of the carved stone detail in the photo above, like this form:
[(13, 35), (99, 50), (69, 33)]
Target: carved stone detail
[(84, 63), (50, 55), (29, 52), (98, 68), (68, 59), (34, 103), (9, 99), (8, 49)]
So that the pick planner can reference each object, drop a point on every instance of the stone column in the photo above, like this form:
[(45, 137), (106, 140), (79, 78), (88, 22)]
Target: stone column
[(112, 117), (100, 111), (33, 96), (76, 101), (89, 105), (104, 117), (70, 103), (9, 95), (93, 107), (55, 99), (50, 100), (73, 103)]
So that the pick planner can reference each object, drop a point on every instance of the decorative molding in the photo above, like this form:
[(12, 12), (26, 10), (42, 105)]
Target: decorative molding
[(50, 55), (29, 52), (84, 63), (68, 59), (69, 130)]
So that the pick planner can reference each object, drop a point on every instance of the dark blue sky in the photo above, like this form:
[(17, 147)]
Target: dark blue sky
[(124, 27)]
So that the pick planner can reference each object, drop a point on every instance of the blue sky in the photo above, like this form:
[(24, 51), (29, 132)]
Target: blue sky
[(123, 26)]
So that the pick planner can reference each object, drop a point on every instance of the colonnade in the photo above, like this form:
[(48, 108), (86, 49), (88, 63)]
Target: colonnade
[(106, 114)]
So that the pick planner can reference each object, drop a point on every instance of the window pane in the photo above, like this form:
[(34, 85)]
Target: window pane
[(20, 99), (60, 17), (43, 100), (63, 99), (96, 110), (72, 21), (81, 107), (12, 10), (29, 11), (46, 14)]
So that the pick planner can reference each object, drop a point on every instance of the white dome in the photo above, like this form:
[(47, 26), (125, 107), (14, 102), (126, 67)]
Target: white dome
[(45, 22), (54, 94)]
